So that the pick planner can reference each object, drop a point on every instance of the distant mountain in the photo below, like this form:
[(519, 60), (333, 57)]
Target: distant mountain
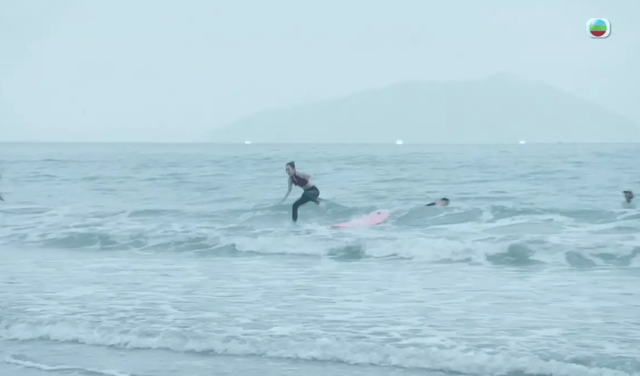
[(498, 109)]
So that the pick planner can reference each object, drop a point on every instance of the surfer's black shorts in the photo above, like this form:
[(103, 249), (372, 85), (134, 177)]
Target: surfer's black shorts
[(313, 193), (310, 194)]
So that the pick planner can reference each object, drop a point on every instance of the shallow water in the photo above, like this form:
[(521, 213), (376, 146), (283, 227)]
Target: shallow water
[(178, 259)]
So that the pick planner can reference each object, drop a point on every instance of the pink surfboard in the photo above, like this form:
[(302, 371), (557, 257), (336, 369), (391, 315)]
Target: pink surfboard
[(372, 219)]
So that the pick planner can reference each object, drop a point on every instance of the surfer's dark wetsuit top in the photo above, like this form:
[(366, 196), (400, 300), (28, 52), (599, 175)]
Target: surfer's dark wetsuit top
[(310, 194)]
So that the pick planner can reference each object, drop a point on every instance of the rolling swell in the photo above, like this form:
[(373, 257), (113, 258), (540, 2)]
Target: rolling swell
[(492, 235), (300, 344)]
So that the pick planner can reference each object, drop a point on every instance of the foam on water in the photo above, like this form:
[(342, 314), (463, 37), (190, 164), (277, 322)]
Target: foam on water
[(141, 260), (487, 235)]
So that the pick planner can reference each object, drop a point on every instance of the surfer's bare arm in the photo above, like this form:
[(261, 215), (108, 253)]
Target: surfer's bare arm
[(288, 191)]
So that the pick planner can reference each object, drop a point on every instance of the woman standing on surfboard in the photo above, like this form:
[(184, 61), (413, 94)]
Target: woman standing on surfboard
[(302, 180)]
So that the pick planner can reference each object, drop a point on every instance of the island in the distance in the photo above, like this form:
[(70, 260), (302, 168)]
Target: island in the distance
[(497, 109)]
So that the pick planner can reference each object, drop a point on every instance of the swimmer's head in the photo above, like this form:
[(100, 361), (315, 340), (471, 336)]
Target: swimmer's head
[(628, 195), (442, 202)]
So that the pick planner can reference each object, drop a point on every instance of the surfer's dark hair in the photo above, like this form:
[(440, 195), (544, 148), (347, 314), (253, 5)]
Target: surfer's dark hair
[(444, 199), (292, 164)]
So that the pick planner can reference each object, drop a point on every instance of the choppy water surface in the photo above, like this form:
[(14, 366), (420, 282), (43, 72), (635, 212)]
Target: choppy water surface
[(178, 259)]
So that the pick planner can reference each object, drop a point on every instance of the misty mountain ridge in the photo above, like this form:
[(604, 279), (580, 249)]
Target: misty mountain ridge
[(496, 109)]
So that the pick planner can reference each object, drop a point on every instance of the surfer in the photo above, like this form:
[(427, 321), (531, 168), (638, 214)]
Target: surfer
[(302, 180), (628, 197), (442, 202)]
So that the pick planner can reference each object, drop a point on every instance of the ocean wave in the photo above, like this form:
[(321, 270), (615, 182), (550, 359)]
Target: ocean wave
[(21, 360), (496, 235), (433, 354)]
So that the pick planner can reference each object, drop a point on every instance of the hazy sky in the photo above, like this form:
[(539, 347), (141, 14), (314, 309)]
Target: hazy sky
[(174, 70)]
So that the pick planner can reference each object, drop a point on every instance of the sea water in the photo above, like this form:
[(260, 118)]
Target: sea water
[(163, 260)]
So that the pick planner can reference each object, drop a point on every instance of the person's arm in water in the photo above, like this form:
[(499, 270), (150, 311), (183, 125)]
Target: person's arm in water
[(288, 191), (442, 202)]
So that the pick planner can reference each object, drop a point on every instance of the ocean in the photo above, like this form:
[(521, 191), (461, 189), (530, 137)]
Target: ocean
[(158, 260)]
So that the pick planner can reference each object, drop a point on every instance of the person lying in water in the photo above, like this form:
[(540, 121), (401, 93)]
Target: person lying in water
[(442, 202), (302, 180), (628, 198)]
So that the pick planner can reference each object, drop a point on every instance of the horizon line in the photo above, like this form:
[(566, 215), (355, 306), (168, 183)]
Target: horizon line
[(307, 143)]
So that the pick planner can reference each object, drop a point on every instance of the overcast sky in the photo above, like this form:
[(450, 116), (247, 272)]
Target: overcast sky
[(174, 70)]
